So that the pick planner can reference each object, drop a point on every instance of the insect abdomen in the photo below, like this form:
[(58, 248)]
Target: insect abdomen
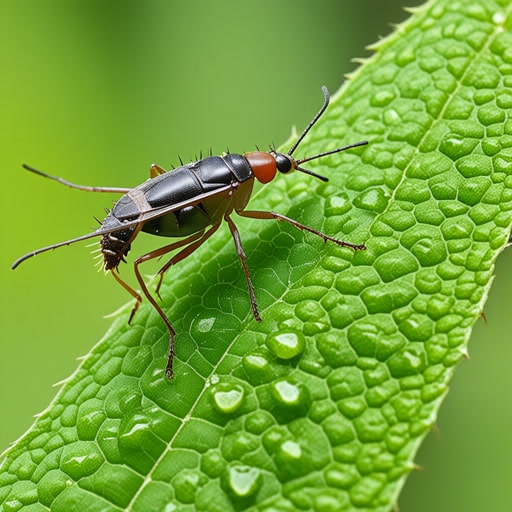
[(182, 222), (115, 246)]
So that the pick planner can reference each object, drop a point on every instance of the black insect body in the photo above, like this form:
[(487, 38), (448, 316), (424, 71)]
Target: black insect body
[(190, 202)]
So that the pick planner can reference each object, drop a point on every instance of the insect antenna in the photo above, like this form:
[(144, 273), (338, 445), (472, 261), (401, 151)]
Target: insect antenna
[(325, 153), (69, 184), (311, 173), (313, 121), (332, 151)]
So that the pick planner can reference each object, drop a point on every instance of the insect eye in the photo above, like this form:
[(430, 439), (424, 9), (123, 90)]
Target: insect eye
[(284, 163)]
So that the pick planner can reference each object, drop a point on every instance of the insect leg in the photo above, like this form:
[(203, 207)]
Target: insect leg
[(242, 257), (130, 290), (155, 170), (271, 215), (67, 183), (195, 242), (172, 332)]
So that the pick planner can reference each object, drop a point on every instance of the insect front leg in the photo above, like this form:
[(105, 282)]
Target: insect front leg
[(243, 258), (271, 215)]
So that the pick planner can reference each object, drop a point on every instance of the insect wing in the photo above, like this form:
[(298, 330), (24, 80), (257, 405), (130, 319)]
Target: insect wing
[(154, 213), (146, 216)]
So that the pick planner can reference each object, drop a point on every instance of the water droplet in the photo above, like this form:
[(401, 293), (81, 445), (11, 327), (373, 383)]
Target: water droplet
[(286, 392), (258, 367), (226, 397), (392, 117), (291, 460), (291, 400), (242, 481), (337, 204), (205, 324), (291, 449), (372, 199), (498, 18), (286, 344)]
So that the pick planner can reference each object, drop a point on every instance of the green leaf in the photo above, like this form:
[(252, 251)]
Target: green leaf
[(323, 405)]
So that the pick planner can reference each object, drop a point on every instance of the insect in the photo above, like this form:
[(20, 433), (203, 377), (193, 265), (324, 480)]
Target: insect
[(190, 202)]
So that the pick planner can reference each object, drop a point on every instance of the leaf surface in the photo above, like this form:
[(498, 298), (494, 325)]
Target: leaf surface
[(323, 405)]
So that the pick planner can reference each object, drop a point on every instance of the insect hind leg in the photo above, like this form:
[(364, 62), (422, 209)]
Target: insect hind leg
[(193, 242), (272, 215)]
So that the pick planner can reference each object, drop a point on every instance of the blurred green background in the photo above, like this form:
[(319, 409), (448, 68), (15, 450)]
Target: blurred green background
[(97, 91)]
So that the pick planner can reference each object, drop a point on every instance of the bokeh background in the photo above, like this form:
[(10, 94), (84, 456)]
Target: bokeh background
[(97, 91)]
